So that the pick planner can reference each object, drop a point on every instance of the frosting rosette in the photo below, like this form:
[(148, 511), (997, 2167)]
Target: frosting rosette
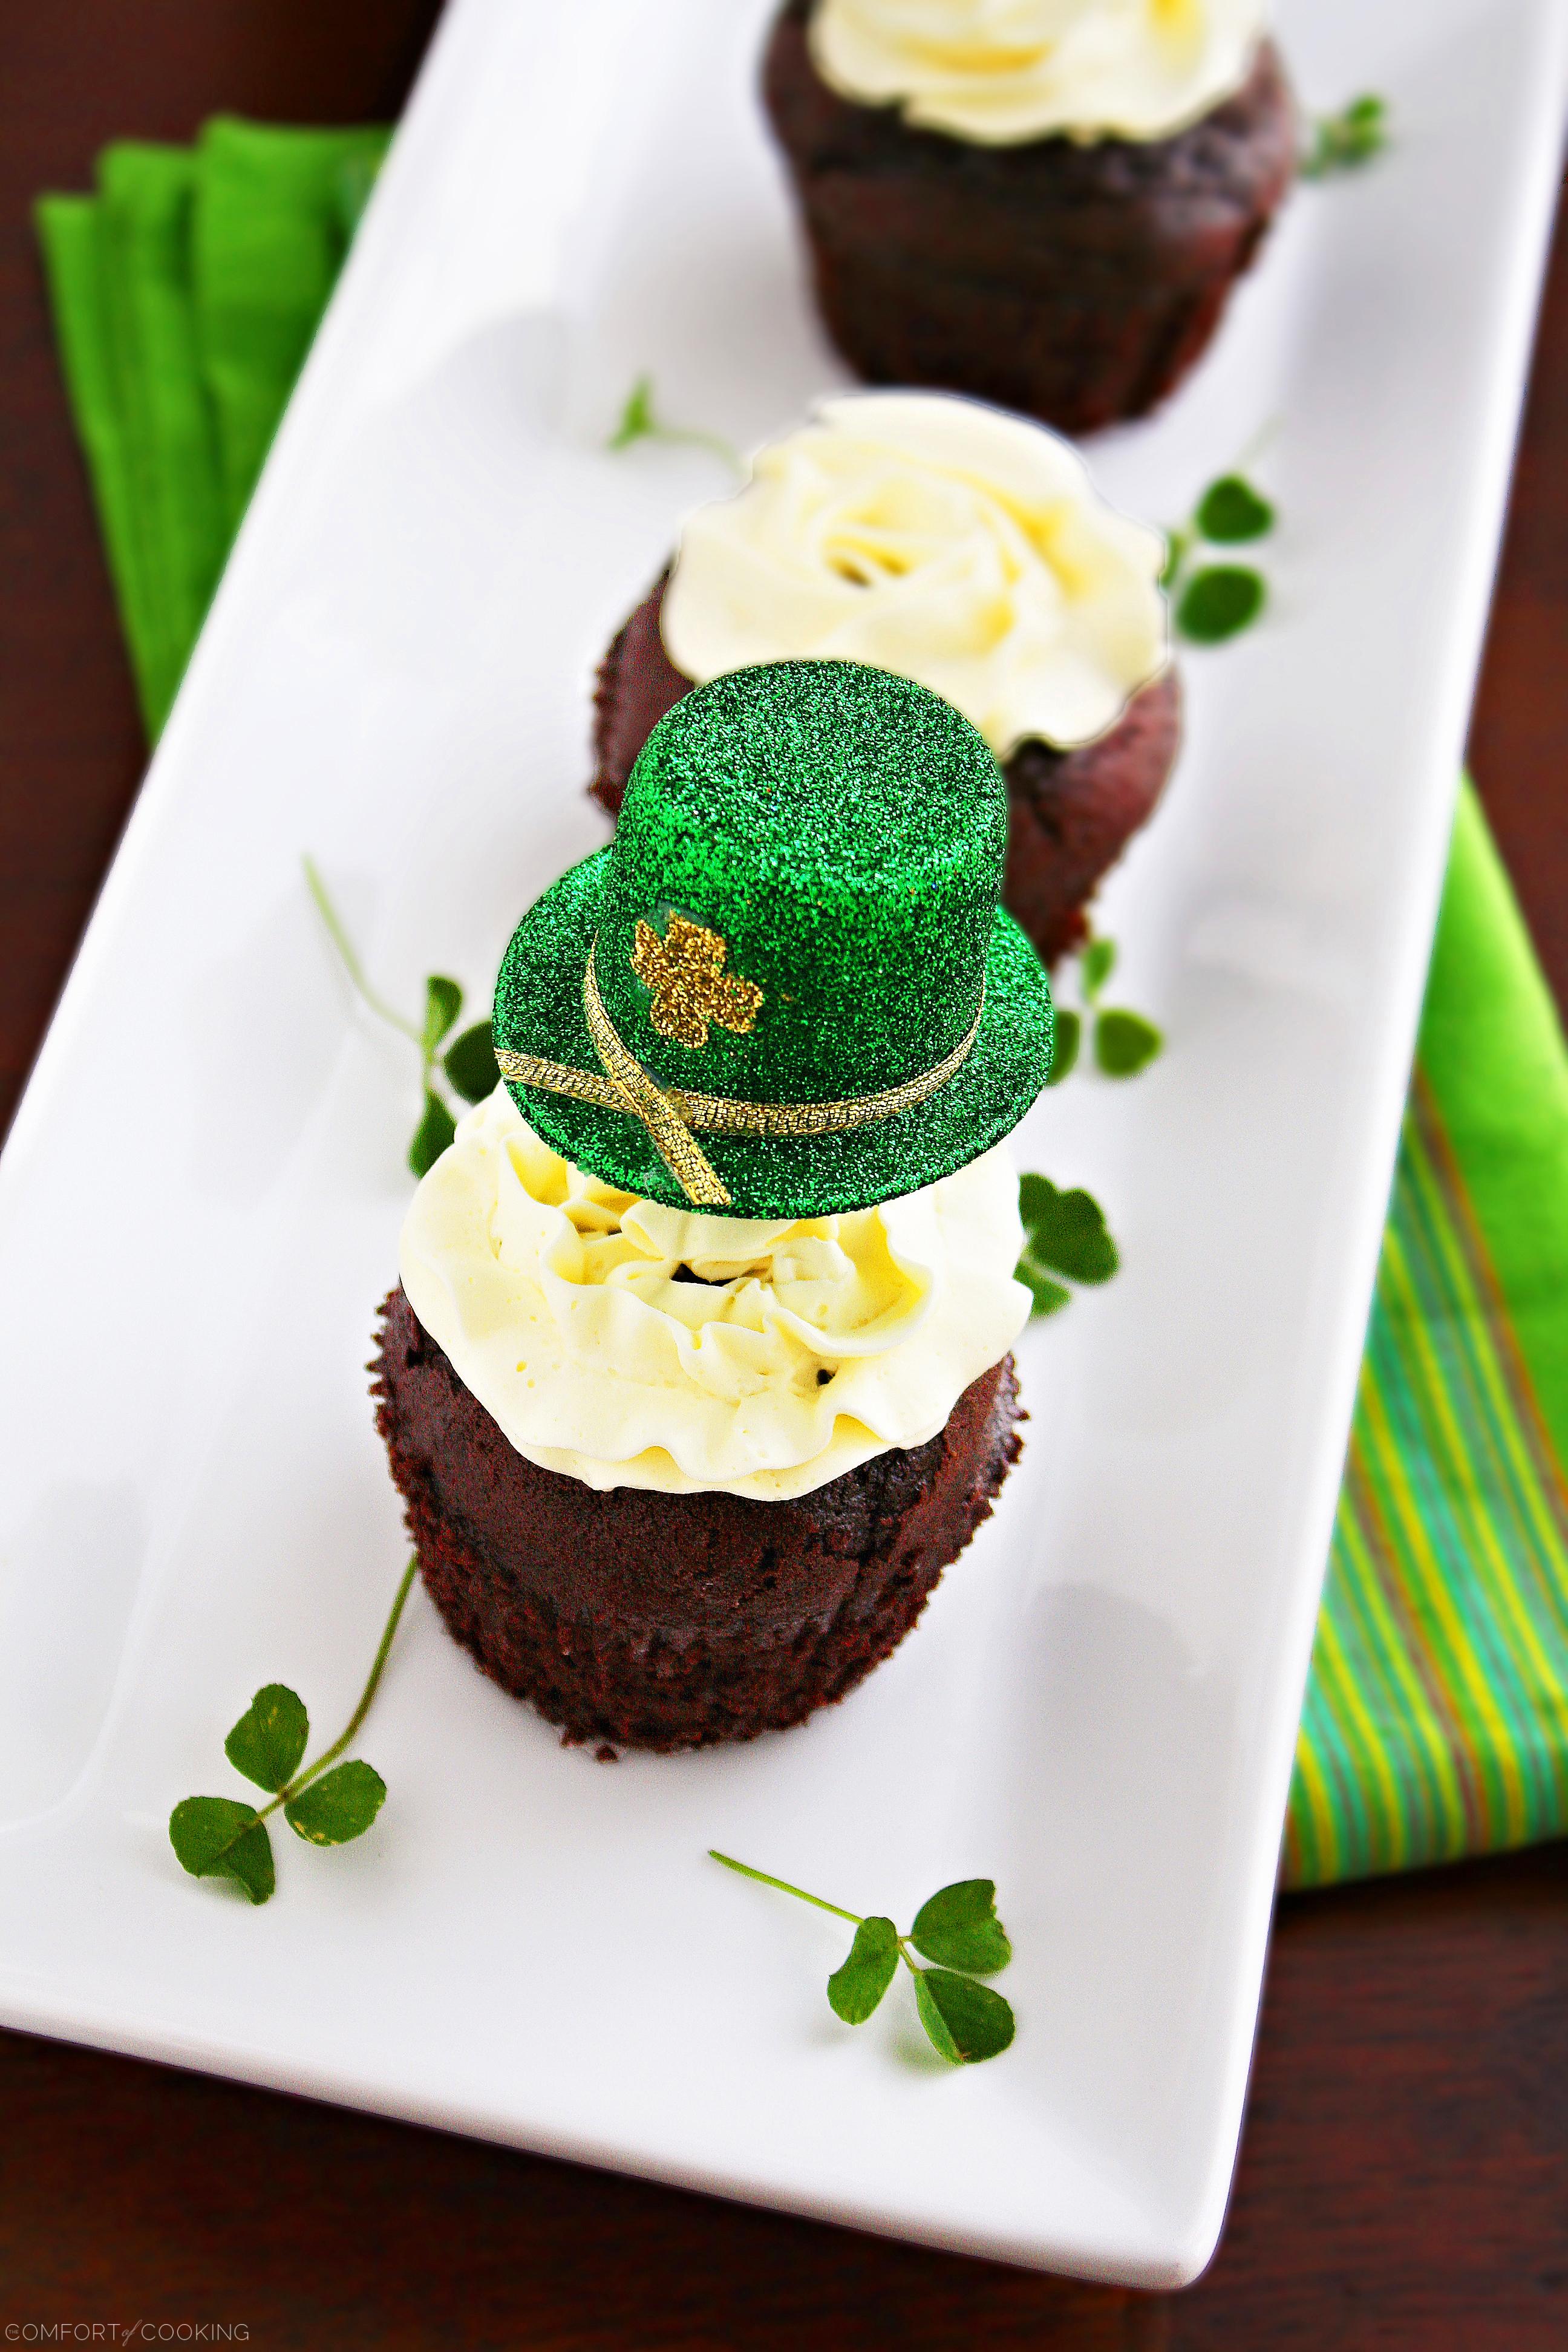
[(998, 72), (626, 1344), (939, 537)]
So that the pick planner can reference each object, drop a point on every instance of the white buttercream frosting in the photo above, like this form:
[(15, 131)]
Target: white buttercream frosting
[(1002, 71), (943, 538), (631, 1345)]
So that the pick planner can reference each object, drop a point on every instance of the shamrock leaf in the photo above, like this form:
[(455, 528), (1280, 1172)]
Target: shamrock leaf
[(1219, 602), (432, 1136), (959, 1928), (217, 1837), (1095, 967), (854, 1989), (443, 1002), (1066, 1231), (1231, 511), (341, 1805), (966, 2021), (637, 421), (1047, 1295), (1069, 1033), (269, 1740), (470, 1063), (1125, 1043), (1344, 142)]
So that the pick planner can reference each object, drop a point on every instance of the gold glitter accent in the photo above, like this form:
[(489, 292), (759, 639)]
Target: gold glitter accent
[(685, 971), (669, 1113), (671, 1138)]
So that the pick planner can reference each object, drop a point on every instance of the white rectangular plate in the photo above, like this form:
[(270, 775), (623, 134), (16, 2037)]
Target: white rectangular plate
[(199, 1205)]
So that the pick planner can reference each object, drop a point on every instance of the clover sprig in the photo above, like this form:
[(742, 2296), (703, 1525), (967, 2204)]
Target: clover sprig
[(1125, 1042), (328, 1804), (1347, 141), (468, 1065), (957, 1929), (1064, 1233), (1211, 601), (640, 421)]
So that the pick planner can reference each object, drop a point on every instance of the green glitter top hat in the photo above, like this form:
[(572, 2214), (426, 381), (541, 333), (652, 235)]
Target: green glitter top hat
[(788, 987)]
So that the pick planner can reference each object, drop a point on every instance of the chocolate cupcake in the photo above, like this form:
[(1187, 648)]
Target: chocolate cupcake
[(692, 1395), (1046, 203), (648, 1617), (967, 549)]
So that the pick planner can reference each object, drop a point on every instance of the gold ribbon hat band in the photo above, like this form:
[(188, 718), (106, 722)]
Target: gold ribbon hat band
[(670, 1113)]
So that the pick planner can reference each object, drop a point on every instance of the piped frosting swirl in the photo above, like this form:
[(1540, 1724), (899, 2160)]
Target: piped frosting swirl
[(998, 72), (939, 537), (626, 1344)]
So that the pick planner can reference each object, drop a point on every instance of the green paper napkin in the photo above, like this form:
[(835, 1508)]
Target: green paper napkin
[(1435, 1723), (186, 293), (275, 214)]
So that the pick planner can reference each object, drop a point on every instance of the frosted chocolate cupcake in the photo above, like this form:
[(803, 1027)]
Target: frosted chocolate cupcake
[(968, 550), (699, 1372), (1044, 202)]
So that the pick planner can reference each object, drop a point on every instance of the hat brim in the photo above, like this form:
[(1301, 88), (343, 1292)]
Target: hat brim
[(538, 1011)]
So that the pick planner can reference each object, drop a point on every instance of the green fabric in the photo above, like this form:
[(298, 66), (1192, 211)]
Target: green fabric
[(1492, 1050), (845, 959), (1436, 1715), (186, 293), (277, 213), (1436, 1722)]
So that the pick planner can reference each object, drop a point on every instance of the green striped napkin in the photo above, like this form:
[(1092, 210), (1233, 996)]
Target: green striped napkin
[(185, 294), (1436, 1715)]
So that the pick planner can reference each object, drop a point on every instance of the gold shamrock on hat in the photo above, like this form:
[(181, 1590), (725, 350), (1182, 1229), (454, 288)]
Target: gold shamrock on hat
[(685, 971)]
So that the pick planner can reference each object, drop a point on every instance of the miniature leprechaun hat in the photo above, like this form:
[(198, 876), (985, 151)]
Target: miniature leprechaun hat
[(788, 987)]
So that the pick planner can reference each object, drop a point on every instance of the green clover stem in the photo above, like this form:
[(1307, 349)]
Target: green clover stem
[(766, 1879), (350, 963), (640, 421), (690, 437), (331, 1755), (460, 1065)]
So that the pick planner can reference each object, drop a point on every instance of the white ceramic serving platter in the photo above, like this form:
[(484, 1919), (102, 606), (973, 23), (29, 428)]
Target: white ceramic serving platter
[(200, 1201)]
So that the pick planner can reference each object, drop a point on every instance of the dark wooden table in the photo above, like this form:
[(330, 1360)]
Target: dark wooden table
[(1404, 2179)]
